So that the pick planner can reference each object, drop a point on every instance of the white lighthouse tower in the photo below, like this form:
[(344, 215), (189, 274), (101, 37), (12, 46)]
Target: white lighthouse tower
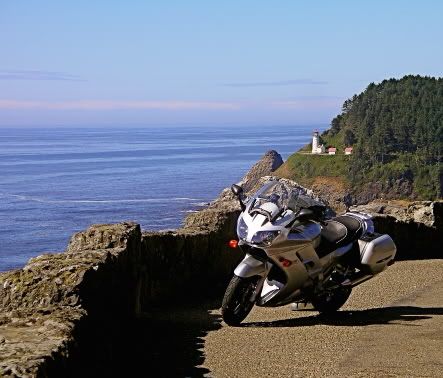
[(317, 148), (315, 142)]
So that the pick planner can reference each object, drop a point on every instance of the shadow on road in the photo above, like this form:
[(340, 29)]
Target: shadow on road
[(384, 315), (162, 343)]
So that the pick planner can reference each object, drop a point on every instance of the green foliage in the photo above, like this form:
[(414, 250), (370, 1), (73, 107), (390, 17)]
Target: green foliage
[(396, 129), (349, 137), (304, 167), (335, 140)]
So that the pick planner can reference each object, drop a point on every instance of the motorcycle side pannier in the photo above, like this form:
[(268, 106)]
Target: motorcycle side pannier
[(376, 251)]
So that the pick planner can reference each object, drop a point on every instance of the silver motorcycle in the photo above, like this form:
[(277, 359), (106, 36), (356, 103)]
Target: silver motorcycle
[(293, 254)]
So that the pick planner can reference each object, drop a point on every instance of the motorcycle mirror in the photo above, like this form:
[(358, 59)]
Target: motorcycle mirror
[(237, 190)]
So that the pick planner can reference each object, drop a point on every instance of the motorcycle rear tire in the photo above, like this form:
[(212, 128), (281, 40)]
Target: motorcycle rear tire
[(237, 303), (331, 301)]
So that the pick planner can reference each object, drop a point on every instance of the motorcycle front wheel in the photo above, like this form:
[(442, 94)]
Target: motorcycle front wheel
[(237, 302), (331, 301)]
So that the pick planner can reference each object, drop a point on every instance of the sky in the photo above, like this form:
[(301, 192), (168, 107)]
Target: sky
[(105, 63)]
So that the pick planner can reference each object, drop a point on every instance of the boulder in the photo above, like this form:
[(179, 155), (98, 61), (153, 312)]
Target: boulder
[(226, 201), (415, 227), (270, 161), (425, 213)]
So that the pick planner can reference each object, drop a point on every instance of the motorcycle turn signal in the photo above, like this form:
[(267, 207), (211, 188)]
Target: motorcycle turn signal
[(286, 263), (233, 244)]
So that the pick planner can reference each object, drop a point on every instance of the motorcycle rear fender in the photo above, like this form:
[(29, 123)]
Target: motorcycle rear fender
[(250, 266)]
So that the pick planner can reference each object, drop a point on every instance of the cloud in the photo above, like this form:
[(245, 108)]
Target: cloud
[(297, 103), (116, 105), (38, 75), (309, 103), (279, 83)]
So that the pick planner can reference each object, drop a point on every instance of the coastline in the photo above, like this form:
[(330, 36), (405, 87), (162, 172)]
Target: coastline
[(63, 311), (57, 182)]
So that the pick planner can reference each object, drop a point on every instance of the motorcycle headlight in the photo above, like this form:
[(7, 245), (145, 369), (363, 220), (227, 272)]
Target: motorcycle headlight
[(242, 229), (264, 237)]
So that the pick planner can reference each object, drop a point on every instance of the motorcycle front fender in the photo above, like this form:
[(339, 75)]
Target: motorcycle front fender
[(250, 266)]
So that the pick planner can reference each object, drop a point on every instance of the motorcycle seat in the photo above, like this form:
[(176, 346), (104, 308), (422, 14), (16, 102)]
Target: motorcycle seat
[(338, 232)]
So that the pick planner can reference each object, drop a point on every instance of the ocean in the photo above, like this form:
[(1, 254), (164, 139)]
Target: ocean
[(57, 181)]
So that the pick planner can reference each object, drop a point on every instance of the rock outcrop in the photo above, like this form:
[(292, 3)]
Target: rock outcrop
[(48, 305), (53, 308), (266, 166), (417, 228), (334, 192), (62, 309), (63, 314)]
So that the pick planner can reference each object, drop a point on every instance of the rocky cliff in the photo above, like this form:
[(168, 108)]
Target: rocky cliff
[(69, 314), (65, 314)]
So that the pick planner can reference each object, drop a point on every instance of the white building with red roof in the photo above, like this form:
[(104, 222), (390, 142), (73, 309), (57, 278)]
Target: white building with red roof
[(332, 150), (348, 151)]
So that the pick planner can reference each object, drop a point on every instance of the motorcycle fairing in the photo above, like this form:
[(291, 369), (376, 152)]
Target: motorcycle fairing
[(294, 249)]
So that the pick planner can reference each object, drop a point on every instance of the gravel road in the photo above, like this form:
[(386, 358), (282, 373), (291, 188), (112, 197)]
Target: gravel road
[(392, 326)]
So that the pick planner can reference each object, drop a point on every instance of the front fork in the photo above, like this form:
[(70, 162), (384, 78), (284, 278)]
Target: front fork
[(249, 267)]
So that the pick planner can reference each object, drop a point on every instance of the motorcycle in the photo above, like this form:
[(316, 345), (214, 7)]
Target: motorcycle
[(294, 254)]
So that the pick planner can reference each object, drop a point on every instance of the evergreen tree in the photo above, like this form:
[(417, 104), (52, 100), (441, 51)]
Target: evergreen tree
[(398, 124)]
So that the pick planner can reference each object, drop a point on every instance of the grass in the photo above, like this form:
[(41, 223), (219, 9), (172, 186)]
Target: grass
[(335, 141), (308, 170), (304, 168)]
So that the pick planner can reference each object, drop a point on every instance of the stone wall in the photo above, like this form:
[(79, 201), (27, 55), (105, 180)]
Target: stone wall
[(53, 307), (69, 314), (49, 305), (189, 263), (417, 228), (65, 314)]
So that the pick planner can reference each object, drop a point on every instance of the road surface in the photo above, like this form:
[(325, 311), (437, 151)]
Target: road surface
[(392, 326)]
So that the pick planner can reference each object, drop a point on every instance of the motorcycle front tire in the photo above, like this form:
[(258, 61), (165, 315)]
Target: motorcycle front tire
[(237, 302)]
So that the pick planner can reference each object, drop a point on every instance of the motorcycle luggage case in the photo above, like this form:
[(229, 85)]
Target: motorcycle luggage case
[(376, 251)]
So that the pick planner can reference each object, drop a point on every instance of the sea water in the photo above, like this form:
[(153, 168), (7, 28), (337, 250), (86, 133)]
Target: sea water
[(57, 181)]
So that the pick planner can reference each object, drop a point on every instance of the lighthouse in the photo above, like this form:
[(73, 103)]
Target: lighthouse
[(315, 142), (317, 148)]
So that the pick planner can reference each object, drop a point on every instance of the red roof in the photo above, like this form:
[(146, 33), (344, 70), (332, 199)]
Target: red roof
[(348, 149), (332, 149)]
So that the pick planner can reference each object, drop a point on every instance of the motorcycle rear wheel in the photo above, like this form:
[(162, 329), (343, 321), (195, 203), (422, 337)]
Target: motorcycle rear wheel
[(331, 301), (237, 302)]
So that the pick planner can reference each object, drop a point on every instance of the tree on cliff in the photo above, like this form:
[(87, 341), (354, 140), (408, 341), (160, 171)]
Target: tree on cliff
[(396, 131), (396, 128)]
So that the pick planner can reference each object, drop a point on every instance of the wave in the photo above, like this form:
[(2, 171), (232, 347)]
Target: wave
[(141, 200), (200, 204)]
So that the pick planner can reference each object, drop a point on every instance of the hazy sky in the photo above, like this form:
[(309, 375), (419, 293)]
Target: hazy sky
[(205, 62)]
